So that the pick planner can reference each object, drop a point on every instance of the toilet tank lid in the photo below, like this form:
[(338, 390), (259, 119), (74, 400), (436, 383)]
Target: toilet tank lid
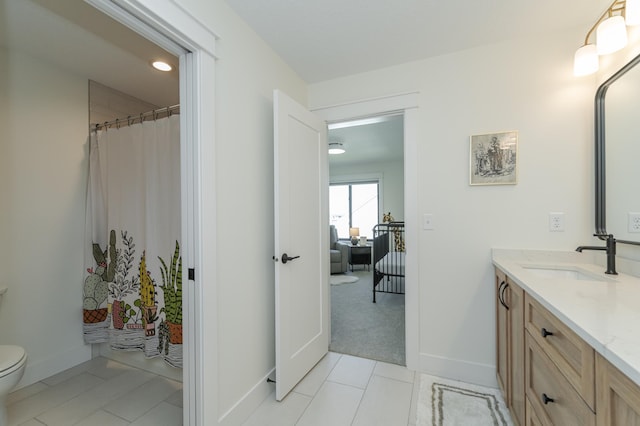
[(10, 355)]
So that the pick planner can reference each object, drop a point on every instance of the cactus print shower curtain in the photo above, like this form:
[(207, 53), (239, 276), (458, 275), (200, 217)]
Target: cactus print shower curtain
[(132, 290)]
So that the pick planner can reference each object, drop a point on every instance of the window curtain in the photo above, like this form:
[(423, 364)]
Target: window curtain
[(132, 292)]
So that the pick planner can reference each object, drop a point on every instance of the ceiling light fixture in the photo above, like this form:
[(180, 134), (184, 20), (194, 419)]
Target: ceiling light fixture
[(336, 148), (611, 35), (161, 66)]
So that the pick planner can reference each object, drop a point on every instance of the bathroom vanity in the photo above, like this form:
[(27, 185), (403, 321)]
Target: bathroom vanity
[(568, 339)]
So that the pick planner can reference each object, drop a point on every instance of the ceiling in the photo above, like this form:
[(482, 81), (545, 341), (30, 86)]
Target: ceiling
[(370, 143), (320, 40), (76, 37), (325, 39)]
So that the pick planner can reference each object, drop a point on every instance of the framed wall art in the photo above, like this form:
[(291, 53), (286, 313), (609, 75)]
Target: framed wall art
[(493, 159)]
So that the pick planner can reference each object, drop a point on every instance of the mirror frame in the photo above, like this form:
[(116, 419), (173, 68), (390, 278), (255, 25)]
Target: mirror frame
[(600, 152)]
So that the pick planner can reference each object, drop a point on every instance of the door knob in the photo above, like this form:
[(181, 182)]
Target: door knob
[(285, 258)]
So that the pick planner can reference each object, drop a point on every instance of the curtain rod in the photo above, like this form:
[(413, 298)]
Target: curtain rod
[(133, 119)]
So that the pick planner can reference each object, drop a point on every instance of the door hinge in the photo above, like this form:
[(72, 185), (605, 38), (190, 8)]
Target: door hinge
[(192, 274)]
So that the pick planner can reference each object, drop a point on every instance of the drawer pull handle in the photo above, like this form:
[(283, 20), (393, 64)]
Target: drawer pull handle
[(546, 399), (546, 333)]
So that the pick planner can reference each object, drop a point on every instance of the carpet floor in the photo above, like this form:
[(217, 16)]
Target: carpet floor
[(443, 402), (365, 329)]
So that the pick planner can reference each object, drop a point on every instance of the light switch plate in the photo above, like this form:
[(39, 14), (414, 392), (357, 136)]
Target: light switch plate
[(427, 221)]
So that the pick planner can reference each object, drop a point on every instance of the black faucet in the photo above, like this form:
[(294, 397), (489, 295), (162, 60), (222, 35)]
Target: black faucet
[(610, 248)]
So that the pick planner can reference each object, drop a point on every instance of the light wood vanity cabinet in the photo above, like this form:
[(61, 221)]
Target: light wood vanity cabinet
[(548, 375), (549, 394), (510, 345), (618, 398), (573, 356)]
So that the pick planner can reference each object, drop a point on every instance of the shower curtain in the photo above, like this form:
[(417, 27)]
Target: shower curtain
[(132, 292)]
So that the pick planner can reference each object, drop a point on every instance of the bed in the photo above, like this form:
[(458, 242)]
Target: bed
[(388, 258)]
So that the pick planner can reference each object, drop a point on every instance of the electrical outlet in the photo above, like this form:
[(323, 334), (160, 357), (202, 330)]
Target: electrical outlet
[(634, 222), (556, 222)]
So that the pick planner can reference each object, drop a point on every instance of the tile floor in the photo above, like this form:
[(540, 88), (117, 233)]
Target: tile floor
[(340, 390), (99, 392), (345, 390)]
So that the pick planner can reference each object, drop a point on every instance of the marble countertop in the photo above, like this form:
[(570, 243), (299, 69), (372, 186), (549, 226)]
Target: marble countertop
[(602, 309)]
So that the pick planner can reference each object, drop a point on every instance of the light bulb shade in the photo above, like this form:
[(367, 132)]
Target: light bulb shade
[(336, 148), (611, 35), (586, 60), (354, 232), (632, 12)]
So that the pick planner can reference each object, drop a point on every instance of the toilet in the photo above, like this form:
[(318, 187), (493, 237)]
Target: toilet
[(13, 360)]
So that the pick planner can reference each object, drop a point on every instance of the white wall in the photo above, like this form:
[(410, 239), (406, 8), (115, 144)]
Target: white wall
[(43, 133), (246, 74), (391, 187), (524, 85)]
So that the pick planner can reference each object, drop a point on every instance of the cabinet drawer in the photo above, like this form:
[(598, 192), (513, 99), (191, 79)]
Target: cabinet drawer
[(544, 382), (532, 418), (573, 356)]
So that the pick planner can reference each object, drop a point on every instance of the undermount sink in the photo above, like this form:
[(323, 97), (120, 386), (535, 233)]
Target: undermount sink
[(563, 273)]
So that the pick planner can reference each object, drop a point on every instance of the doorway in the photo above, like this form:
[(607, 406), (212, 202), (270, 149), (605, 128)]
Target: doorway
[(366, 183)]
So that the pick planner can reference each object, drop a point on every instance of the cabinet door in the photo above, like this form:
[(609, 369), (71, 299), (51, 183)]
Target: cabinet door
[(510, 345), (618, 398), (514, 296), (502, 333)]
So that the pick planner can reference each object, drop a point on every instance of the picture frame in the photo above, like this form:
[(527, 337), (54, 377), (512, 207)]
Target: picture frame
[(493, 158)]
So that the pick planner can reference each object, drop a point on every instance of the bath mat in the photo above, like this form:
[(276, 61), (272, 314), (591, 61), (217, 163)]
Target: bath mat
[(443, 402)]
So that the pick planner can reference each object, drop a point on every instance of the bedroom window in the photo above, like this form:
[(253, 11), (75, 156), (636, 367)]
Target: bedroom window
[(354, 205)]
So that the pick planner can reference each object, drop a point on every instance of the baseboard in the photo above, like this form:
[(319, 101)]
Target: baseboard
[(241, 410), (42, 369), (456, 369)]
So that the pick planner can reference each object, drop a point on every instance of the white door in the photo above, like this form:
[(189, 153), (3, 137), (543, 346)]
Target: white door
[(301, 241)]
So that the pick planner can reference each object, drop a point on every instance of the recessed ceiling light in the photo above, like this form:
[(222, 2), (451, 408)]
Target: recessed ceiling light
[(161, 66)]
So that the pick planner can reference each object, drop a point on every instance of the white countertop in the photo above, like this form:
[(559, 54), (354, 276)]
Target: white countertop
[(605, 311)]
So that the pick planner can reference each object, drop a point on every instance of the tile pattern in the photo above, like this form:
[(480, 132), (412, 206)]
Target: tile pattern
[(340, 390), (345, 390), (99, 392)]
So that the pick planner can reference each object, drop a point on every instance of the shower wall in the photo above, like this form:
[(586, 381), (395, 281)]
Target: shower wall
[(106, 104)]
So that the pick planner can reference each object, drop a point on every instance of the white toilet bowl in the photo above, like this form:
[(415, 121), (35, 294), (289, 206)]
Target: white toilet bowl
[(13, 360)]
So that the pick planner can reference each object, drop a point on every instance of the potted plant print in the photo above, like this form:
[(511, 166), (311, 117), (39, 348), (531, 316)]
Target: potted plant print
[(96, 285), (122, 312), (172, 289), (147, 298)]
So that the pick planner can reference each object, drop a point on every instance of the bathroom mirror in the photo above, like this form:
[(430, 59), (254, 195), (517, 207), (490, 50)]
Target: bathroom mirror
[(617, 121)]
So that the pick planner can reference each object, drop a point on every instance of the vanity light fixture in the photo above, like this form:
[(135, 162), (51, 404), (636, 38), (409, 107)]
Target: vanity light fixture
[(632, 13), (336, 148), (611, 35), (161, 66)]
